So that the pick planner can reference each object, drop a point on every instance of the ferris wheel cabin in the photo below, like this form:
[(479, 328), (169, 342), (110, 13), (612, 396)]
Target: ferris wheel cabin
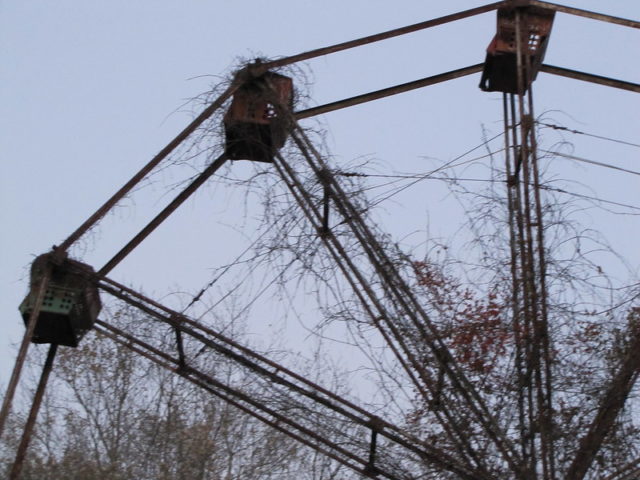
[(71, 304), (254, 125), (500, 72)]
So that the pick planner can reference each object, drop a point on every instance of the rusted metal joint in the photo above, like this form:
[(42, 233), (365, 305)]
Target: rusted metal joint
[(527, 122), (250, 71), (182, 363), (517, 3), (325, 176), (376, 424), (58, 255), (323, 231), (257, 68), (371, 471)]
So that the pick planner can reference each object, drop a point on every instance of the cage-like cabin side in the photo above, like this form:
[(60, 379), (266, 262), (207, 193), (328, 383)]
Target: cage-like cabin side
[(500, 73), (71, 304), (254, 127)]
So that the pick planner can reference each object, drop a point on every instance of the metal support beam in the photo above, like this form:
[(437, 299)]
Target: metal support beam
[(144, 171), (33, 414), (387, 92), (180, 348), (162, 216), (381, 36), (626, 471), (589, 77), (279, 375), (289, 425), (24, 348), (586, 13), (610, 405)]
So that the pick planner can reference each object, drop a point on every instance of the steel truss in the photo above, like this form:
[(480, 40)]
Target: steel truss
[(323, 420)]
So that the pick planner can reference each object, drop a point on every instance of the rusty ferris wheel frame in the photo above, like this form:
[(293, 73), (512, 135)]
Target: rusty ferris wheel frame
[(373, 456)]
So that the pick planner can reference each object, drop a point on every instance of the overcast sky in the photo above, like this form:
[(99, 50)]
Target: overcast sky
[(90, 91)]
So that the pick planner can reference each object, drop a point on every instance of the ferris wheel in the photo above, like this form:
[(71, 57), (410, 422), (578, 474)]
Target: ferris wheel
[(259, 122)]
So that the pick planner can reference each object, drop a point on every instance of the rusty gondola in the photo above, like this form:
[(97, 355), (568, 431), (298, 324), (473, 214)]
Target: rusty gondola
[(71, 304), (254, 126), (500, 73)]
